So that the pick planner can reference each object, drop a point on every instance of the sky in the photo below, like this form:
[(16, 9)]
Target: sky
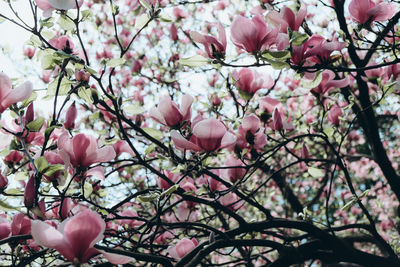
[(12, 36)]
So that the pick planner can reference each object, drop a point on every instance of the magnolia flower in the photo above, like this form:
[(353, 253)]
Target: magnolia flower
[(63, 43), (82, 150), (334, 113), (328, 83), (267, 104), (48, 6), (5, 227), (250, 133), (317, 49), (9, 96), (183, 247), (252, 35), (250, 81), (366, 11), (214, 48), (75, 237), (208, 135), (278, 123), (21, 225), (70, 117), (286, 18), (169, 114), (234, 174)]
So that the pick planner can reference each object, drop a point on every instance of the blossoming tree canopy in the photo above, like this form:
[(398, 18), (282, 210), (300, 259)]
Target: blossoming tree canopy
[(200, 133)]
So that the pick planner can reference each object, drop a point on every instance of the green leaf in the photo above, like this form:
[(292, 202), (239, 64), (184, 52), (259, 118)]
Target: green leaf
[(141, 21), (90, 70), (86, 95), (312, 84), (149, 149), (164, 17), (65, 23), (48, 34), (133, 109), (349, 204), (14, 191), (41, 163), (115, 62), (170, 190), (36, 125), (245, 95), (315, 173), (34, 41), (194, 61), (30, 99), (278, 65), (88, 190), (148, 197), (364, 194), (86, 14), (145, 4), (52, 169), (154, 133), (6, 207), (48, 22), (65, 87), (298, 38), (276, 55)]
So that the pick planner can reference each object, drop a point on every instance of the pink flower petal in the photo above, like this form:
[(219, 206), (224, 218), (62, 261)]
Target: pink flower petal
[(181, 143)]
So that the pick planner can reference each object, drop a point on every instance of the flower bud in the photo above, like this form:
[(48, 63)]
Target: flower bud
[(29, 114), (29, 194), (70, 117), (3, 182)]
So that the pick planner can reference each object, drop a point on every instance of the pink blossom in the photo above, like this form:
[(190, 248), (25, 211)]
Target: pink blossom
[(21, 225), (3, 182), (70, 117), (82, 75), (328, 83), (131, 223), (278, 123), (5, 227), (286, 18), (82, 150), (208, 135), (268, 104), (122, 146), (252, 35), (9, 96), (231, 201), (54, 158), (317, 49), (29, 52), (63, 43), (250, 133), (29, 193), (48, 6), (366, 11), (214, 48), (173, 32), (234, 174), (75, 237), (183, 247), (169, 114), (250, 81), (174, 177), (334, 113)]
